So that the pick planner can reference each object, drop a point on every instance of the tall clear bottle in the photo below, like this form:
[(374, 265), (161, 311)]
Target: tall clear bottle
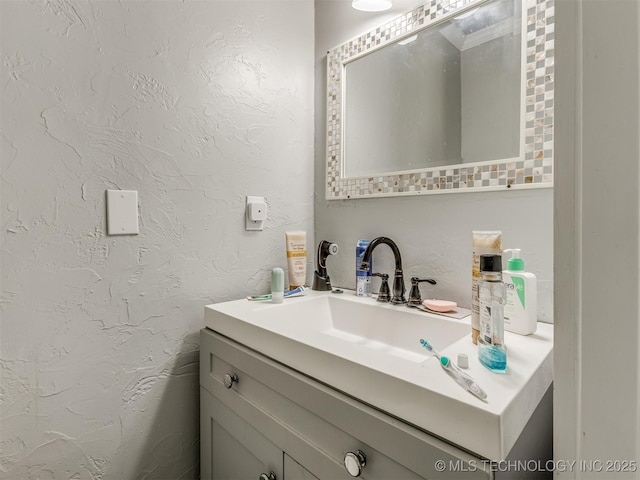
[(492, 352)]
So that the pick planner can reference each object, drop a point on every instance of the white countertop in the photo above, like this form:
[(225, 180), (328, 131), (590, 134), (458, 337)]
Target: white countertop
[(411, 386)]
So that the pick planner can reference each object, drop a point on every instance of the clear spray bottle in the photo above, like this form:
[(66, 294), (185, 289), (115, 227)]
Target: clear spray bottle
[(492, 352)]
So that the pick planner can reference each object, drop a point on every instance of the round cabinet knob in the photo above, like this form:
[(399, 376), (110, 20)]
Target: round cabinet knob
[(229, 379), (264, 476), (355, 462)]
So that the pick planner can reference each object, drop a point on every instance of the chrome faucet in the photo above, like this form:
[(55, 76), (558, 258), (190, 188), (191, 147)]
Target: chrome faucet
[(398, 280)]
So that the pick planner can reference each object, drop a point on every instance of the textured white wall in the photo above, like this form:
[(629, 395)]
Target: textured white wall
[(433, 232), (194, 104)]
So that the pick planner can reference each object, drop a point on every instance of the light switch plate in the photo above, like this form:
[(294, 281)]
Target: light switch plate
[(255, 213), (122, 212)]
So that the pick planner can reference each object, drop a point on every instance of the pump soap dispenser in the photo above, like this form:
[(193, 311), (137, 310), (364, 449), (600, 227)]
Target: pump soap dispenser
[(520, 310)]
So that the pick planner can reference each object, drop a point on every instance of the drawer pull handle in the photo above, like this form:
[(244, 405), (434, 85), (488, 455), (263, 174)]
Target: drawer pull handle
[(264, 476), (229, 379), (355, 462)]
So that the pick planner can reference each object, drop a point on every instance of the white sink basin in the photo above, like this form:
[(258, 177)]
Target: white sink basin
[(372, 352), (394, 330)]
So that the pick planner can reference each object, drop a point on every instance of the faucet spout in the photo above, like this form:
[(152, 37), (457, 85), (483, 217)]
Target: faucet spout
[(398, 280)]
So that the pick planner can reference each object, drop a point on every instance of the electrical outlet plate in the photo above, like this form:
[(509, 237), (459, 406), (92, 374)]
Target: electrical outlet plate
[(122, 212), (255, 213)]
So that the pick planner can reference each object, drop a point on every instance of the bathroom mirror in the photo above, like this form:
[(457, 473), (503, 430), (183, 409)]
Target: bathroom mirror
[(453, 96)]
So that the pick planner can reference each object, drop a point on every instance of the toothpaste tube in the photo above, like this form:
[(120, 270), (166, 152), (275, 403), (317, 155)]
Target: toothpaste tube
[(298, 292)]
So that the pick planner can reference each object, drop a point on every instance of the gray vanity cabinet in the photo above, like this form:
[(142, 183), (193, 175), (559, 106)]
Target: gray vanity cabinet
[(295, 471), (233, 449), (260, 417), (236, 449)]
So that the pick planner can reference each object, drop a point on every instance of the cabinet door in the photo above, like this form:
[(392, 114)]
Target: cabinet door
[(231, 449), (294, 471)]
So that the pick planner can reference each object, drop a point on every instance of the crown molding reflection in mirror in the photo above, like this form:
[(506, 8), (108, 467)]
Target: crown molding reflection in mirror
[(534, 168)]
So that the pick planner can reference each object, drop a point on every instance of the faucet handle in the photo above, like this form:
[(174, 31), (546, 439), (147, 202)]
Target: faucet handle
[(414, 295), (384, 294)]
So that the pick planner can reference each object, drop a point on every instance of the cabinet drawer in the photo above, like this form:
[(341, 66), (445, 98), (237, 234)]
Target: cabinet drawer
[(230, 447), (311, 421)]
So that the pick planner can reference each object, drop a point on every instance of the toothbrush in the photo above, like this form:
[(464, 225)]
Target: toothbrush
[(430, 347), (462, 378), (291, 293)]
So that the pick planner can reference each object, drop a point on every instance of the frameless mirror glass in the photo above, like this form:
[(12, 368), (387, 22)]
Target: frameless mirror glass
[(452, 96), (449, 94)]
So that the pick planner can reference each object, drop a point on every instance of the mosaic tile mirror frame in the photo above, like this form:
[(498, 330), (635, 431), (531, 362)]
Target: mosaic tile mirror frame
[(534, 168)]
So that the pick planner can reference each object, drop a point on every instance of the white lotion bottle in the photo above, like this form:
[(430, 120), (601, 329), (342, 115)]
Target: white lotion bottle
[(520, 310)]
